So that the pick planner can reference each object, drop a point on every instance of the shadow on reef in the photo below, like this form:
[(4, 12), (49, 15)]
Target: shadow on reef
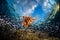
[(9, 32)]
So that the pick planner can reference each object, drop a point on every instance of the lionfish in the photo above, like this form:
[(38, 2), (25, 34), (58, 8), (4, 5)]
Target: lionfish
[(27, 21)]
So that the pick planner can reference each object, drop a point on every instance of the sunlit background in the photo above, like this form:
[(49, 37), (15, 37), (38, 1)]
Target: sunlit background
[(39, 9)]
